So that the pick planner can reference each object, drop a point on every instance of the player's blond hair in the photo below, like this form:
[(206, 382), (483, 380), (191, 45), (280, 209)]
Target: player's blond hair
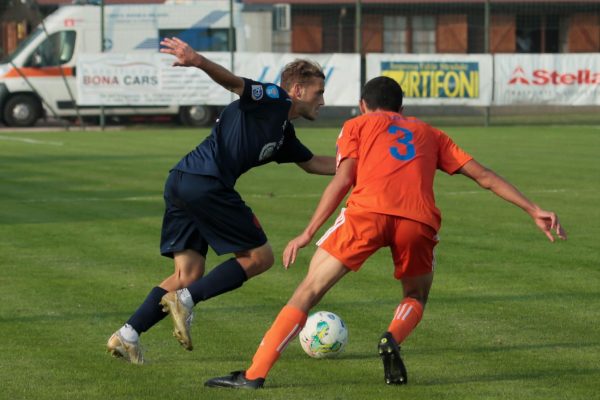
[(300, 71)]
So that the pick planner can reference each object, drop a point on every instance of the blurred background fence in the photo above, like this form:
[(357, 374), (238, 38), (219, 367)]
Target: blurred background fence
[(429, 27), (399, 28), (406, 26)]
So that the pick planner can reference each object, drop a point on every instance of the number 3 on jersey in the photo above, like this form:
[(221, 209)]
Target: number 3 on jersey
[(408, 152)]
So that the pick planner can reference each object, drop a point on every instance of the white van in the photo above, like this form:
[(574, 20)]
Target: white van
[(38, 78)]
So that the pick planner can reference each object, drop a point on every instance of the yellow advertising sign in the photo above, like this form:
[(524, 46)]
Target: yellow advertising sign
[(435, 79)]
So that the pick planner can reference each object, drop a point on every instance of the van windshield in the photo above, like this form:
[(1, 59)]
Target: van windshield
[(8, 58), (57, 49)]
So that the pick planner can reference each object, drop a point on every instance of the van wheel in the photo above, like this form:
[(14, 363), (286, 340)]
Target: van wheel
[(22, 110), (196, 115)]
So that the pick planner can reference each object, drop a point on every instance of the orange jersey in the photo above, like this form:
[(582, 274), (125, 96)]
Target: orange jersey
[(397, 158)]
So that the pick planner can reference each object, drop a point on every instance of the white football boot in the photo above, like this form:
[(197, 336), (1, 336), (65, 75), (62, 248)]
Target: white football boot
[(182, 318), (118, 347)]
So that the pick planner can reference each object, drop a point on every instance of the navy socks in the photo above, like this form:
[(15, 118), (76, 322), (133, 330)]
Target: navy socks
[(223, 278), (150, 312)]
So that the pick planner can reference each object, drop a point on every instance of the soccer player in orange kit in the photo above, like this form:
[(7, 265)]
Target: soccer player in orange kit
[(391, 161)]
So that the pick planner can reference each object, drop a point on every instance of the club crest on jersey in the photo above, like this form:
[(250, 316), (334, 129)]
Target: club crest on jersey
[(257, 92), (272, 92)]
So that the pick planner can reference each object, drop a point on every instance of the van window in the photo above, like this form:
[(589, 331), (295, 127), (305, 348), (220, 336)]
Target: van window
[(56, 50), (201, 39)]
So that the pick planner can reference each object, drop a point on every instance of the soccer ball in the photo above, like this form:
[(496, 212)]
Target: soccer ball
[(324, 335)]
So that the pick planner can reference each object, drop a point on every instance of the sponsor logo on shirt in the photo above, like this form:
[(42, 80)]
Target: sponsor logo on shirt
[(267, 151), (272, 92), (257, 92)]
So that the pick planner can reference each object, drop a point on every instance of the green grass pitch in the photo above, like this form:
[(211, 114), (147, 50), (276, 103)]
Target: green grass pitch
[(510, 316)]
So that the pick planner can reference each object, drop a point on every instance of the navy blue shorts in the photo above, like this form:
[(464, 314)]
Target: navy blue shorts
[(200, 212)]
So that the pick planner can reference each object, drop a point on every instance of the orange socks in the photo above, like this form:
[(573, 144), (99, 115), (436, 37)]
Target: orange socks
[(290, 321), (408, 314), (286, 327)]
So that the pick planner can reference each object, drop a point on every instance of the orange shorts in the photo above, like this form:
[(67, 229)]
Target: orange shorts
[(356, 235)]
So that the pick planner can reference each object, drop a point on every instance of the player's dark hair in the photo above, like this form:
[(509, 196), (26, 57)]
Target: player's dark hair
[(382, 93), (300, 71)]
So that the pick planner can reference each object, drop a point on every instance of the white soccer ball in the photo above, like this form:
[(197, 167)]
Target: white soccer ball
[(324, 335)]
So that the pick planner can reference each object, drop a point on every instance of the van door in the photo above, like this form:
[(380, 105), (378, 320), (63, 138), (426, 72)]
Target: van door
[(50, 69)]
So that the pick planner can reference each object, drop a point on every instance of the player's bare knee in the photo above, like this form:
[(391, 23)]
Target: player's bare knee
[(186, 275), (420, 295), (266, 260), (309, 293), (304, 298), (189, 267), (418, 287), (262, 260), (187, 279), (257, 261)]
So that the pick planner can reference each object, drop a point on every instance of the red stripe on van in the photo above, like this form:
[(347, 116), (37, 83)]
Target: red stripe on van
[(39, 72)]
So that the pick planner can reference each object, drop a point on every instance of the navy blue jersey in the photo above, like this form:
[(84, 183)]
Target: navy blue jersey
[(251, 131)]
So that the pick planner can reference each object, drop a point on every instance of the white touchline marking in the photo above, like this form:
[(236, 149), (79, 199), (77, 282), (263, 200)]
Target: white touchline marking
[(485, 191), (438, 193), (283, 196), (82, 199), (30, 141), (254, 195)]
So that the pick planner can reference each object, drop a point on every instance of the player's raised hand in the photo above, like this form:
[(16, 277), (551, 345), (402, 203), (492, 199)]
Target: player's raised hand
[(548, 223), (292, 248), (186, 56)]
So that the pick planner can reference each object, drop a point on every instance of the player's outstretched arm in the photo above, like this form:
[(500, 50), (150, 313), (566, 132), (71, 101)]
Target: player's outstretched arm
[(546, 221), (332, 197), (187, 57), (320, 165)]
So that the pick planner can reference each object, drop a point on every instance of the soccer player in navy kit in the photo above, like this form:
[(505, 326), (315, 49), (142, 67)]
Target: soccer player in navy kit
[(202, 207)]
